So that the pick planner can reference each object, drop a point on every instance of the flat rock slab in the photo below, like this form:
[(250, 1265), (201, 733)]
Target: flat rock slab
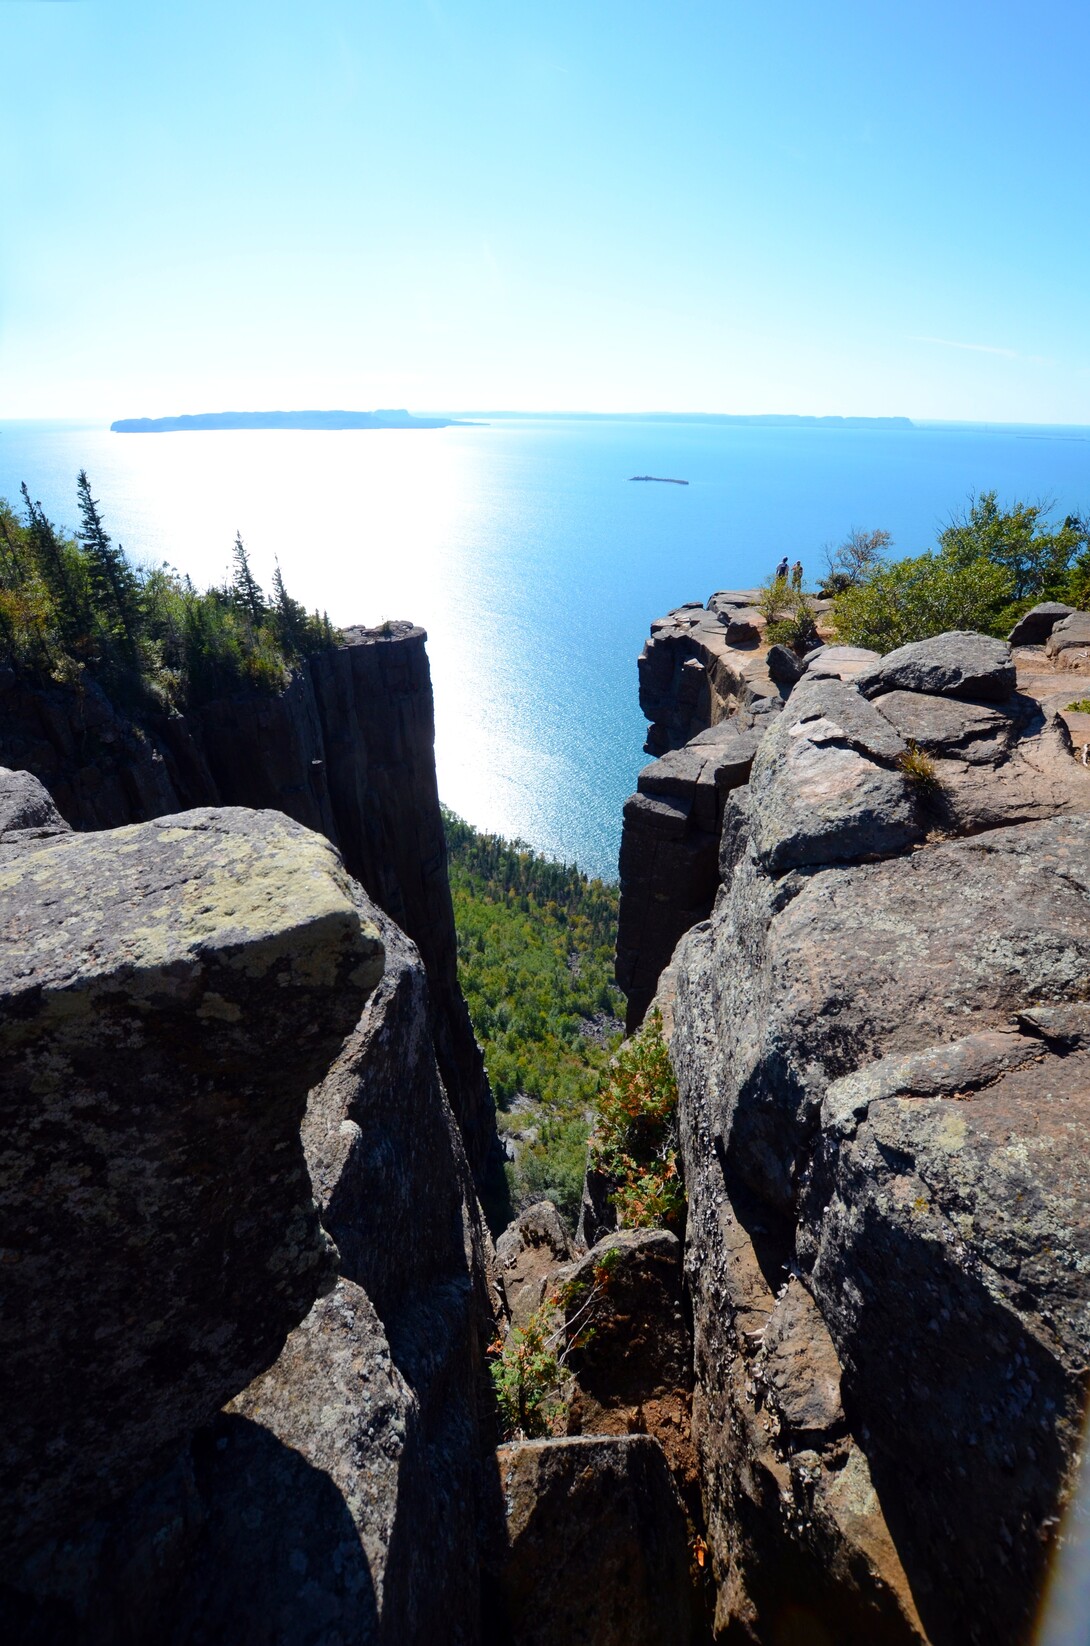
[(597, 1552), (839, 662), (959, 663), (974, 732), (168, 994)]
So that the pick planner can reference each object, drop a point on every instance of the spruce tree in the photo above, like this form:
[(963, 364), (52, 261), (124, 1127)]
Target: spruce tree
[(245, 590), (291, 618), (115, 588)]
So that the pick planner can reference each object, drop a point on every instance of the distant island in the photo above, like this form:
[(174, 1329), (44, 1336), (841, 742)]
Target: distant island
[(659, 479), (283, 420), (773, 419)]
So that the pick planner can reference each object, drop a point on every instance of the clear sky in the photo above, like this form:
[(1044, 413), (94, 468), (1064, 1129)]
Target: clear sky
[(828, 206)]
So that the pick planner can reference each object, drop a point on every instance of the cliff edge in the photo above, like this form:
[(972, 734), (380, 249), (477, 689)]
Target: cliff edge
[(881, 1035)]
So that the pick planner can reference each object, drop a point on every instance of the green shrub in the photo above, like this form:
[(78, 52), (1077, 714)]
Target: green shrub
[(912, 599), (634, 1142), (1080, 706), (790, 619), (991, 565), (531, 1384)]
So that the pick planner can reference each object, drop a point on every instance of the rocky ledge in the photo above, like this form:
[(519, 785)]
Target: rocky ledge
[(881, 1034)]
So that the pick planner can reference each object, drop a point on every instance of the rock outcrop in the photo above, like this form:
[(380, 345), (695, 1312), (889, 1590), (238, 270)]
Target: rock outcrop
[(595, 1549), (171, 1199), (346, 749), (669, 863), (169, 992), (880, 1035)]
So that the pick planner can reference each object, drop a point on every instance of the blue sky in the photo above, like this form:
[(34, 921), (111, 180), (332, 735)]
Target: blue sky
[(840, 207)]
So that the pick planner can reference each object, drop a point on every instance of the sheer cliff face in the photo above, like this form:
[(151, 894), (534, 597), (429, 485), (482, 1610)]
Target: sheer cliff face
[(347, 749), (882, 1040)]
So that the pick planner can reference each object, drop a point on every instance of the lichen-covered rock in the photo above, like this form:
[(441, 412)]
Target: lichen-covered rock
[(299, 1482), (346, 748), (952, 1241), (959, 663), (168, 992), (948, 1175), (596, 1550)]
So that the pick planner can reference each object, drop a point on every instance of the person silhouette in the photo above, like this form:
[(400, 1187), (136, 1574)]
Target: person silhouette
[(781, 569), (796, 575)]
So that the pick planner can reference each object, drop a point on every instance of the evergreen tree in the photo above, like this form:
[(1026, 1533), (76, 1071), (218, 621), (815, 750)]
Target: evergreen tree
[(291, 617), (115, 588), (245, 590)]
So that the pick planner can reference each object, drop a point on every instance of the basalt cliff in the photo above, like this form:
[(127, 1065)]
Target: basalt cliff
[(879, 1015)]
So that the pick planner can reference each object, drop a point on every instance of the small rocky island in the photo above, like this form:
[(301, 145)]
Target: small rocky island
[(659, 479)]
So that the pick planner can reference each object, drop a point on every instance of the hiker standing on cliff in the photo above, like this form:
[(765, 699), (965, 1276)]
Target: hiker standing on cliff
[(796, 576), (781, 569)]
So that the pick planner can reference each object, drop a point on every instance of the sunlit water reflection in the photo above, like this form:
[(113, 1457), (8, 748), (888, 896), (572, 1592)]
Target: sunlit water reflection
[(528, 556)]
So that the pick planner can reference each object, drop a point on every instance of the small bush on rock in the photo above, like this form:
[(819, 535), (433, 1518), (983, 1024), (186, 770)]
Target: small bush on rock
[(790, 619), (919, 768), (533, 1389), (634, 1142)]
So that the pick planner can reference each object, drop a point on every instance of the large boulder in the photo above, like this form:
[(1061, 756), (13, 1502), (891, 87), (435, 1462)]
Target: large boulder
[(960, 663), (168, 993), (27, 812), (825, 785), (1034, 627), (1069, 641), (341, 1494), (596, 1549)]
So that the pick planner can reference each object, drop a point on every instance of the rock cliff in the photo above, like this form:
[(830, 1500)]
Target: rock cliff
[(880, 1033), (346, 749), (170, 1198)]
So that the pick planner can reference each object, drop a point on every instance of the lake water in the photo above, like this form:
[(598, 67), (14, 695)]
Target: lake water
[(528, 556)]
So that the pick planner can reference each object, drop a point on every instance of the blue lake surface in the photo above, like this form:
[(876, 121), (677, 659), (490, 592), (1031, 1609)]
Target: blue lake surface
[(532, 561)]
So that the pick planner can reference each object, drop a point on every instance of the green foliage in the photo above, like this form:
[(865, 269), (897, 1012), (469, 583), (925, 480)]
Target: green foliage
[(152, 641), (991, 565), (790, 619), (634, 1142), (1035, 554), (535, 961), (532, 1388), (912, 599), (1080, 706)]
